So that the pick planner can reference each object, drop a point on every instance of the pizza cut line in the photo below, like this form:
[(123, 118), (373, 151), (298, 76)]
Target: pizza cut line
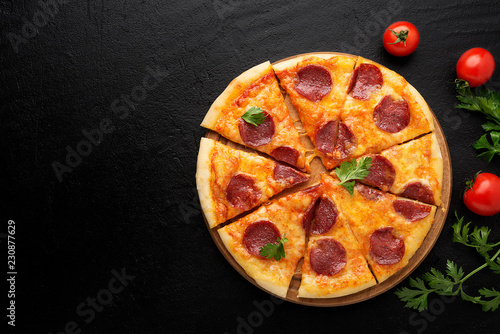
[(349, 108), (276, 135), (231, 181)]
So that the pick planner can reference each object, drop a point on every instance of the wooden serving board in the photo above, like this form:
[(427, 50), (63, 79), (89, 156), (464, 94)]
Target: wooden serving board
[(317, 169)]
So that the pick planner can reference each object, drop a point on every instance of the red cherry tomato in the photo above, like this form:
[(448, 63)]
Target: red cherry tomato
[(483, 194), (476, 66), (401, 38)]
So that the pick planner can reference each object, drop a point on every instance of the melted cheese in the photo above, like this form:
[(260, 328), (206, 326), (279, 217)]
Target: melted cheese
[(219, 163), (286, 213), (258, 87), (358, 115), (366, 216)]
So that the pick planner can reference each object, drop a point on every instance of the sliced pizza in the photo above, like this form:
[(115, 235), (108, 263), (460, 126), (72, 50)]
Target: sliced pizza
[(282, 218), (381, 110), (350, 108), (389, 229), (333, 265), (251, 111), (317, 87), (232, 181), (413, 169)]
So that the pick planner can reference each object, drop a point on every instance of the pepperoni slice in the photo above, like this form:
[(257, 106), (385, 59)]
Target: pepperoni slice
[(257, 135), (385, 247), (326, 216), (411, 210), (391, 115), (328, 257), (382, 173), (242, 192), (309, 215), (346, 142), (314, 82), (286, 154), (258, 234), (369, 193), (325, 137), (288, 175), (365, 79), (419, 191)]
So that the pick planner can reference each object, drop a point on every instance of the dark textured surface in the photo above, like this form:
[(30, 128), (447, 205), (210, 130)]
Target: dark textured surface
[(131, 204)]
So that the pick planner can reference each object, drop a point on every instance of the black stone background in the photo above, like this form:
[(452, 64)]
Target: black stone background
[(130, 206)]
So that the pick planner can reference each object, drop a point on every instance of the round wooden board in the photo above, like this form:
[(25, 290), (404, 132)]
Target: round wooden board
[(316, 169)]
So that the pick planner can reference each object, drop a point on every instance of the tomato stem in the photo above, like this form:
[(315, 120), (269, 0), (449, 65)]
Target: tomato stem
[(470, 183), (402, 36)]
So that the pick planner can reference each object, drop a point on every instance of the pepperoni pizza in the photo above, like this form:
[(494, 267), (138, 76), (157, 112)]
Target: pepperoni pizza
[(389, 229), (282, 218), (317, 89), (333, 264), (276, 135), (381, 109), (232, 181), (401, 172), (350, 108)]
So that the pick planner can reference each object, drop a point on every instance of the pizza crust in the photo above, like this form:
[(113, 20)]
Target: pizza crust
[(438, 167), (269, 285), (203, 180), (425, 107), (234, 88), (289, 63), (304, 293)]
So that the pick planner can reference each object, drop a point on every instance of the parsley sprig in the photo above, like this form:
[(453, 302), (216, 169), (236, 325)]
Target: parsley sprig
[(451, 283), (486, 102), (352, 170), (254, 116), (276, 250)]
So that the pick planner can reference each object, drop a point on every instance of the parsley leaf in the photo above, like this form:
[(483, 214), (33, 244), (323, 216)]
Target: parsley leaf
[(461, 234), (495, 265), (491, 149), (350, 170), (437, 280), (254, 116), (484, 101), (490, 127), (453, 271), (487, 102), (492, 304), (451, 283), (414, 298), (276, 250)]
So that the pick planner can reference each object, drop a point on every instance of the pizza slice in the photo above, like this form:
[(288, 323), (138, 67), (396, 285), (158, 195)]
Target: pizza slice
[(232, 181), (251, 111), (388, 228), (413, 169), (317, 87), (381, 110), (282, 218), (333, 265)]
